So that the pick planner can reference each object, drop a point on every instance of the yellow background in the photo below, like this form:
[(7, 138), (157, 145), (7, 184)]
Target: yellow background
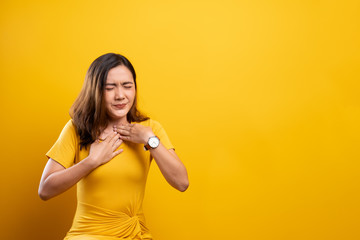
[(260, 98)]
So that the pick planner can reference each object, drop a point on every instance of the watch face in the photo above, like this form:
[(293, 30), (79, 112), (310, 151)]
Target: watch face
[(154, 142)]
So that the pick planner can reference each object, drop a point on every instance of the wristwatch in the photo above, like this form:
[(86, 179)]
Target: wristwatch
[(152, 143)]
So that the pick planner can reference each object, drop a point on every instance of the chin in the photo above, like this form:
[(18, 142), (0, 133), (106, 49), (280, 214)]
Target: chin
[(118, 115)]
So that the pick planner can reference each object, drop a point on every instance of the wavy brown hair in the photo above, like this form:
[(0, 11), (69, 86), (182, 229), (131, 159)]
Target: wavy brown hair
[(87, 112)]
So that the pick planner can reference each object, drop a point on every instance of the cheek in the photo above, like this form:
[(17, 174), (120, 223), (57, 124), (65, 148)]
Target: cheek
[(107, 97), (131, 95)]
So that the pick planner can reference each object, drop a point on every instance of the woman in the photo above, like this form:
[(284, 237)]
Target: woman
[(106, 148)]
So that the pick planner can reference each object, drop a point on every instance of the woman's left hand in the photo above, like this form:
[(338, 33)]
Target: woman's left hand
[(135, 133)]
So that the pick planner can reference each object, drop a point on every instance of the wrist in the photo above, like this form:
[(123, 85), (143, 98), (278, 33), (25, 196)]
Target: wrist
[(90, 162), (147, 136), (152, 143)]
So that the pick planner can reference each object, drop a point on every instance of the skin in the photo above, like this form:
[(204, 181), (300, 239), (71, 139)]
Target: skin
[(119, 89)]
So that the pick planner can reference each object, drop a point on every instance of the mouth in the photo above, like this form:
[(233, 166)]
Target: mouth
[(119, 106)]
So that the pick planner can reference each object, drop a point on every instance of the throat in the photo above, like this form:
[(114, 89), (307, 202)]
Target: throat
[(116, 122), (110, 127)]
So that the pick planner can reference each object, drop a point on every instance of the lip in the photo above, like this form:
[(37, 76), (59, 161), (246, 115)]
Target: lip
[(119, 106)]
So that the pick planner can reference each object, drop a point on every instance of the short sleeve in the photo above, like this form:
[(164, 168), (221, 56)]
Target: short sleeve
[(64, 149), (160, 132)]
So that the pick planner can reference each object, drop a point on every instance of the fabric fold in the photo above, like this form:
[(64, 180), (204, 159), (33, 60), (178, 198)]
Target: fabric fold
[(98, 223)]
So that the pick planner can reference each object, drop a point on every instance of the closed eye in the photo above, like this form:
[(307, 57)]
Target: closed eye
[(127, 84), (110, 86)]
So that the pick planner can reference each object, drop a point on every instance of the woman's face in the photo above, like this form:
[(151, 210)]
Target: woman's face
[(119, 92)]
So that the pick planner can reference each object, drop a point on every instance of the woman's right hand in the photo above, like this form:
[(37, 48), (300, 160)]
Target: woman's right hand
[(102, 152)]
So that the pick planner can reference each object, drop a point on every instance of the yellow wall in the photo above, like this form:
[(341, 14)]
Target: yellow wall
[(260, 98)]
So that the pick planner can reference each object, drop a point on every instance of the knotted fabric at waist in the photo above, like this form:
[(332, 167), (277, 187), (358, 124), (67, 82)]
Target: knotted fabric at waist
[(95, 223)]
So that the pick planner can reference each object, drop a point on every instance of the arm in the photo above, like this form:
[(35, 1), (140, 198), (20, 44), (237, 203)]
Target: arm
[(169, 163), (171, 167), (57, 179)]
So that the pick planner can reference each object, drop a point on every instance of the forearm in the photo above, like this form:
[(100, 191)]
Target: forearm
[(169, 163), (171, 167), (60, 181)]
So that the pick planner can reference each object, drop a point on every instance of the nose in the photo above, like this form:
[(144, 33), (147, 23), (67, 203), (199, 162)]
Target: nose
[(119, 94)]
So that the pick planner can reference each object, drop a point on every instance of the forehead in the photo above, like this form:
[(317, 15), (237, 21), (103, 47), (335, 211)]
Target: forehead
[(119, 74)]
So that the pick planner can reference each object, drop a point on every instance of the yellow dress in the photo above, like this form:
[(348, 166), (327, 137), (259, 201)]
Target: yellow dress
[(109, 199)]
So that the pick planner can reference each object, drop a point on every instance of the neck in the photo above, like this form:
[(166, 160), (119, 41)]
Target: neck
[(110, 125), (120, 121)]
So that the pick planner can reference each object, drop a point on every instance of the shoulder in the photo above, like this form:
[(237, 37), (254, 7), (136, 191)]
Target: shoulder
[(69, 130), (70, 126)]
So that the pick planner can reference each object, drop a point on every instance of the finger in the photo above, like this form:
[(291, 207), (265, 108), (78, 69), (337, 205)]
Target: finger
[(114, 138), (126, 138), (123, 132), (110, 136), (117, 144), (117, 152), (128, 128)]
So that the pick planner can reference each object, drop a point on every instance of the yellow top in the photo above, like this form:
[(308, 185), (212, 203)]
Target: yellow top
[(109, 199)]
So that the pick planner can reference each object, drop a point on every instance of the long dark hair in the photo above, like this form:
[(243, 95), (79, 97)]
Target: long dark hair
[(87, 113)]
